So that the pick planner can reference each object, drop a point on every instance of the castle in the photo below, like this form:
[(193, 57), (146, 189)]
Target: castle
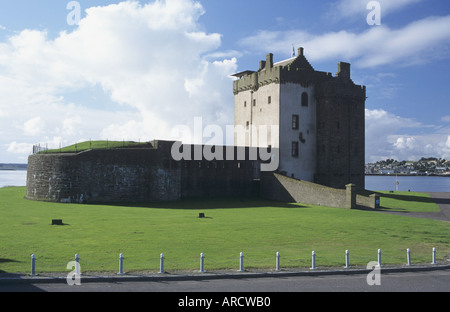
[(318, 119), (309, 123)]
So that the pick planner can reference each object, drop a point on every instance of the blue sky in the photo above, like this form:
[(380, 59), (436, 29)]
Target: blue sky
[(135, 70)]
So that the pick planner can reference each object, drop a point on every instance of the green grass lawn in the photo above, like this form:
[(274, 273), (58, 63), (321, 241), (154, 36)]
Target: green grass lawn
[(99, 233), (407, 202), (82, 146)]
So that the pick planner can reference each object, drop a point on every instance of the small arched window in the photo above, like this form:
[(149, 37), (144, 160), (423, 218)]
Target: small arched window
[(305, 99)]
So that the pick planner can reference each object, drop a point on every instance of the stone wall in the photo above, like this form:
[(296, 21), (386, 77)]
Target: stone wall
[(340, 134), (136, 175), (278, 187), (151, 174), (112, 175)]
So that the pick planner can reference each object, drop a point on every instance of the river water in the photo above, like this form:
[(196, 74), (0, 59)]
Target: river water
[(13, 178), (405, 183), (373, 183)]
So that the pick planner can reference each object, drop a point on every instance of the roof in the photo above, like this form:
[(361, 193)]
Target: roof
[(299, 62)]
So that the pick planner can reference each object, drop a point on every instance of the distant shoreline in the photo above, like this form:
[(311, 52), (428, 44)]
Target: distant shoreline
[(21, 168), (17, 169), (13, 167), (406, 175)]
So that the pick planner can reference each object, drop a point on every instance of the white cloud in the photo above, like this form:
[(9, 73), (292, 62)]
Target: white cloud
[(387, 137), (153, 60), (417, 42), (33, 127), (19, 148)]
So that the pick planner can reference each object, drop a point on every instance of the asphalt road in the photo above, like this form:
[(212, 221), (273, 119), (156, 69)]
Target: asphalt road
[(420, 281)]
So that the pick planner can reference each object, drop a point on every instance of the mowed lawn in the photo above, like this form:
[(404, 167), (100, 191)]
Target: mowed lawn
[(258, 228)]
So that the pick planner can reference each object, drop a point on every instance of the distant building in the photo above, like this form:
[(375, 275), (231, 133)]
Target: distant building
[(315, 119)]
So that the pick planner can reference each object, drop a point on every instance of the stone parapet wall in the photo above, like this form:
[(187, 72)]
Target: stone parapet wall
[(278, 187)]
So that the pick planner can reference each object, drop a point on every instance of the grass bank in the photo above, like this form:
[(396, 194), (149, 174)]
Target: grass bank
[(99, 233), (82, 146)]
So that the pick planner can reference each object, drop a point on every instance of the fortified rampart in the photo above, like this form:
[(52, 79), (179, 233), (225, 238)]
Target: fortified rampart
[(151, 174), (136, 174)]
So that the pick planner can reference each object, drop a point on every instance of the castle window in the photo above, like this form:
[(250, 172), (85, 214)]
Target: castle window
[(247, 124), (245, 103), (294, 149), (254, 102), (269, 100), (304, 99), (294, 122)]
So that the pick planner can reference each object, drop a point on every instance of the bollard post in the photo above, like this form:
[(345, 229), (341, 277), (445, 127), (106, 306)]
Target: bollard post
[(313, 267), (121, 265), (77, 265), (347, 265), (434, 256), (241, 262), (161, 264), (408, 256), (278, 262), (379, 258), (202, 263), (33, 265)]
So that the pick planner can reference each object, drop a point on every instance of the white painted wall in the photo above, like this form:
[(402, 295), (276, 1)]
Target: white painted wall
[(285, 102), (302, 167)]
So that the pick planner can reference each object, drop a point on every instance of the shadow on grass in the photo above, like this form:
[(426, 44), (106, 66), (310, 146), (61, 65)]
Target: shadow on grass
[(209, 203), (407, 197), (7, 261), (2, 260), (404, 197)]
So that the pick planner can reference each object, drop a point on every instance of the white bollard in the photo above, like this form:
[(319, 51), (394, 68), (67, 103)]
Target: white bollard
[(161, 264), (202, 263), (313, 267), (77, 265), (121, 265), (434, 256), (278, 262), (347, 262), (408, 256), (241, 262), (379, 258), (33, 265)]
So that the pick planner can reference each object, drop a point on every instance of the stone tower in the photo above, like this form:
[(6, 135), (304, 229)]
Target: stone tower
[(315, 119)]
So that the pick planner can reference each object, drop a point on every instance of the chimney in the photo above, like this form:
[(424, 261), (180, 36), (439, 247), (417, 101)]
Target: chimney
[(343, 70), (269, 60), (262, 64), (300, 51)]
